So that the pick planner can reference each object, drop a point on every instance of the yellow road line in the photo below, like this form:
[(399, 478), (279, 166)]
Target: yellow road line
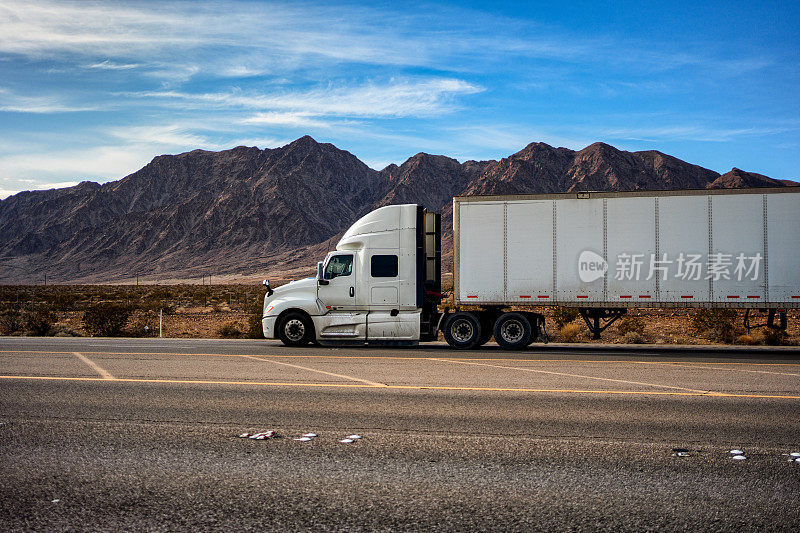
[(603, 361), (281, 356), (693, 365), (94, 366), (567, 374), (342, 376), (419, 358), (404, 387)]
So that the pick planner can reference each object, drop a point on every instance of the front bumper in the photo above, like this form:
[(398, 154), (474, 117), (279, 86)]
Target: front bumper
[(268, 325)]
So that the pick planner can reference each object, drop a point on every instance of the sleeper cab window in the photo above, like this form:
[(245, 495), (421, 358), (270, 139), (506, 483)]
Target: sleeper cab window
[(339, 265), (383, 266)]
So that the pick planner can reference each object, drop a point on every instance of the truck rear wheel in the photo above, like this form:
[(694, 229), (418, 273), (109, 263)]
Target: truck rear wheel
[(513, 331), (295, 329), (462, 330)]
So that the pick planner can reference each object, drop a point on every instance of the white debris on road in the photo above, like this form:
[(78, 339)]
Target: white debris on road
[(271, 434)]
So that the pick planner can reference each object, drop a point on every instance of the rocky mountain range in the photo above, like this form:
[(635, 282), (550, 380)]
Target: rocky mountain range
[(251, 212)]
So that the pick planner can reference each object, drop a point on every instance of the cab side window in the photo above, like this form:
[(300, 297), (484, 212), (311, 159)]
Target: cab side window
[(383, 266), (339, 265)]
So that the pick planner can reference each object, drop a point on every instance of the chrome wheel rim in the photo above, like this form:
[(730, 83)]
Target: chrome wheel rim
[(294, 329), (512, 331), (462, 330)]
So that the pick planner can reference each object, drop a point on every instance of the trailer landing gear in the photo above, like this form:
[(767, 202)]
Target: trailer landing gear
[(782, 325), (593, 317)]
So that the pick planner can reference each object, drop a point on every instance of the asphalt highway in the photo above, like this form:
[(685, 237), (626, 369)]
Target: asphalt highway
[(132, 434)]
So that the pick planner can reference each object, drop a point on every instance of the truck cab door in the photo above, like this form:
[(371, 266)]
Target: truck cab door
[(336, 291), (337, 288)]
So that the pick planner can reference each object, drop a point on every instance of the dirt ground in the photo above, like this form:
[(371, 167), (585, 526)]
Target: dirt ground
[(225, 311), (662, 326)]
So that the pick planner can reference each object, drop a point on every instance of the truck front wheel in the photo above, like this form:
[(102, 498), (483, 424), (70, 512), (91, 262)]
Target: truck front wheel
[(513, 331), (295, 329), (462, 330)]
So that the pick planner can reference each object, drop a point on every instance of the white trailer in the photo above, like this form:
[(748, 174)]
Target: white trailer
[(599, 252)]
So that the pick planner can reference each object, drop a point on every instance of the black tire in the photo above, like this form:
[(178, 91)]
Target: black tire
[(513, 331), (295, 329), (462, 330), (486, 328)]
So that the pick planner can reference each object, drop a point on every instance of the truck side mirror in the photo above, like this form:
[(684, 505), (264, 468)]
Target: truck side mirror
[(320, 275), (269, 289)]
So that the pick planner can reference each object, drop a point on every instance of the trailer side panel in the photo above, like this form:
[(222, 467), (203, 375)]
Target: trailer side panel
[(730, 248)]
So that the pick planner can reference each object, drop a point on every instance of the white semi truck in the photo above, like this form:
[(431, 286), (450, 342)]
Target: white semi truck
[(601, 252)]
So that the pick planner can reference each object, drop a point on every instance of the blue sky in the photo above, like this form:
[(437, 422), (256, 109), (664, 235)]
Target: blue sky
[(95, 90)]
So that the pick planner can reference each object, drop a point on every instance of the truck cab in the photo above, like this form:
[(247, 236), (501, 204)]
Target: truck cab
[(377, 287)]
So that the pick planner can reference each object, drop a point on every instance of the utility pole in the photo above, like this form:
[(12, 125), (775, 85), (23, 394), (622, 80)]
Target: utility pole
[(160, 322)]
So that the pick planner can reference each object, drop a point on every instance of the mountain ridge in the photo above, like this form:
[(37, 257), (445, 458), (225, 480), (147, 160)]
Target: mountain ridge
[(251, 210)]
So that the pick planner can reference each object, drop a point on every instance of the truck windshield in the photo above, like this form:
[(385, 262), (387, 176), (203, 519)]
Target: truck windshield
[(339, 265)]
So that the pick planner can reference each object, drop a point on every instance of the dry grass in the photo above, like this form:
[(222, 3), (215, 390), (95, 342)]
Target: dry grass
[(570, 332)]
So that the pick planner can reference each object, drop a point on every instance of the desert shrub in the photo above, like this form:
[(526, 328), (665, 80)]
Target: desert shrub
[(717, 323), (160, 293), (254, 327), (773, 336), (633, 337), (564, 315), (570, 332), (747, 340), (155, 305), (256, 310), (105, 319), (62, 330), (631, 324), (229, 330), (35, 321), (144, 325), (11, 321), (201, 296), (38, 321), (63, 301)]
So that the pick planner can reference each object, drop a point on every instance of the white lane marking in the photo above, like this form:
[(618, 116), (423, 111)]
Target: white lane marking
[(572, 375), (342, 376), (94, 366)]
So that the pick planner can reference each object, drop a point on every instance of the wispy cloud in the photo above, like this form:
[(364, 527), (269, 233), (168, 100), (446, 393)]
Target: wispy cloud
[(253, 39), (99, 162), (503, 139), (688, 132), (290, 119), (11, 101), (167, 136), (398, 98), (107, 64)]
